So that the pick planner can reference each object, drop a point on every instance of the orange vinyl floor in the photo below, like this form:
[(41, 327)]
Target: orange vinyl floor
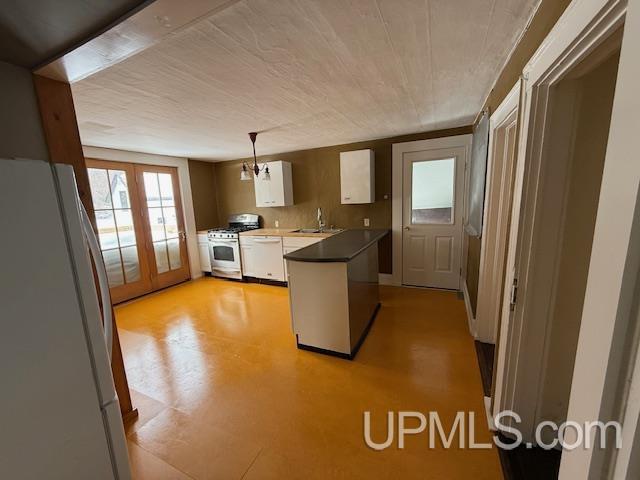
[(223, 392)]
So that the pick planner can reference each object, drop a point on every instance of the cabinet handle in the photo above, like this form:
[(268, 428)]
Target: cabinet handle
[(347, 198)]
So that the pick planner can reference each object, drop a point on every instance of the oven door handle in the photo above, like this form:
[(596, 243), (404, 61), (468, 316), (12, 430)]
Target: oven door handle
[(222, 241)]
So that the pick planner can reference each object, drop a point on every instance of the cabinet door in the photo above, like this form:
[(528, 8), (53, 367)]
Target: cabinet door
[(269, 258), (262, 190), (357, 177), (286, 250), (249, 261), (205, 261), (276, 192)]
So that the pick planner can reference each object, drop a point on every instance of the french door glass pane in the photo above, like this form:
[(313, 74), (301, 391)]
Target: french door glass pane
[(170, 222), (163, 221), (432, 191), (174, 253), (100, 191), (151, 189), (119, 189), (126, 233), (166, 189), (114, 218), (156, 223), (106, 229), (113, 265), (131, 264), (162, 260)]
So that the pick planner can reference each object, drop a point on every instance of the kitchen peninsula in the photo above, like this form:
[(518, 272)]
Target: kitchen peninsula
[(333, 291)]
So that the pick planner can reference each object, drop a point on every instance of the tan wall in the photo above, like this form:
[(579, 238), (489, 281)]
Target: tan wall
[(316, 183), (21, 133), (203, 191), (543, 21)]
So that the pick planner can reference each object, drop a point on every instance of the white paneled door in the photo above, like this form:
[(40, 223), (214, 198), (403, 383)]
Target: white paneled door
[(432, 206)]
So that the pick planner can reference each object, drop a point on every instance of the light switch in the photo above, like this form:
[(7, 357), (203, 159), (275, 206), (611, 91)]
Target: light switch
[(366, 222), (277, 224)]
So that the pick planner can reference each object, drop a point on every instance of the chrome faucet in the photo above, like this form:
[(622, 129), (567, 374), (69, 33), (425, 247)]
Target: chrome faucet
[(321, 223)]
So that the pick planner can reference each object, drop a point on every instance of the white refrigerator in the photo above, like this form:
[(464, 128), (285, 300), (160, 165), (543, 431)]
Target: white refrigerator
[(59, 413)]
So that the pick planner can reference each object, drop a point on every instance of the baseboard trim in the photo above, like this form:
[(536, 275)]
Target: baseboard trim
[(356, 348), (385, 279), (471, 321), (487, 411)]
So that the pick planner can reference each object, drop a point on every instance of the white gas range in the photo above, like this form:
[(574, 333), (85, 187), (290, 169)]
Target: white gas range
[(224, 245)]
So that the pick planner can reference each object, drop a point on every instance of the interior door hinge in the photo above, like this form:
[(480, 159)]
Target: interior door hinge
[(514, 294)]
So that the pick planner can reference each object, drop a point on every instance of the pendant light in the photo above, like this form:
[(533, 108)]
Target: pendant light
[(244, 174)]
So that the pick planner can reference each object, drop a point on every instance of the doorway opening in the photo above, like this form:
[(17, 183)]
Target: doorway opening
[(551, 247), (140, 224)]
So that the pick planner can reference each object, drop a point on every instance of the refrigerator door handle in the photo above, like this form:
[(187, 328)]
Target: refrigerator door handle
[(103, 282)]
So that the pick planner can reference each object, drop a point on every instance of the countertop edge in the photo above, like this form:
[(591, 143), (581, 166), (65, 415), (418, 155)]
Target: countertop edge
[(341, 259)]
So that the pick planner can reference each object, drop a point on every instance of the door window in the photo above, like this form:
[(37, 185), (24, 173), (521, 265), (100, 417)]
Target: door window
[(163, 222), (110, 194), (432, 191)]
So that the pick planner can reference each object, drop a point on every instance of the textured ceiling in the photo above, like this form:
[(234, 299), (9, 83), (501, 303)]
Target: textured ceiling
[(305, 73), (34, 31)]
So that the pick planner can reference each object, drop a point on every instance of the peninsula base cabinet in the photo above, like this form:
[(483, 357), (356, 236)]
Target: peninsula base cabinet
[(262, 258)]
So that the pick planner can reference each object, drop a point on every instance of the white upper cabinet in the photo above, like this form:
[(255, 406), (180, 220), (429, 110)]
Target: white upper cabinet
[(357, 177), (277, 192)]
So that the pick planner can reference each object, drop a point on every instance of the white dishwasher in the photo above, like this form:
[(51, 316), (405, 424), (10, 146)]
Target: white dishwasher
[(268, 258)]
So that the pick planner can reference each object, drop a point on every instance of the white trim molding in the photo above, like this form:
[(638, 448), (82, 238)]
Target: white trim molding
[(399, 149), (497, 203), (585, 27), (471, 320), (185, 190), (385, 279)]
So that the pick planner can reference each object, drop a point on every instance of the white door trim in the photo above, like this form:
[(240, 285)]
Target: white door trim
[(615, 259), (584, 26), (489, 299), (185, 190), (397, 193)]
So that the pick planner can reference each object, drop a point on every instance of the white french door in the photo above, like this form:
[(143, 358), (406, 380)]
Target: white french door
[(432, 211)]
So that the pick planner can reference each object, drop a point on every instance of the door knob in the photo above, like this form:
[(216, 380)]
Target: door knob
[(406, 228)]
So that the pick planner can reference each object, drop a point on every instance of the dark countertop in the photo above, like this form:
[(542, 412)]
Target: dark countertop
[(341, 247)]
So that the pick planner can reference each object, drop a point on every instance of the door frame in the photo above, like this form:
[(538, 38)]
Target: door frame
[(585, 26), (185, 190), (615, 261), (397, 191), (491, 257)]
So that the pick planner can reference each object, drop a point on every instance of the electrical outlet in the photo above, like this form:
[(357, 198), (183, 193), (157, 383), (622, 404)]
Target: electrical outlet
[(277, 224), (366, 222)]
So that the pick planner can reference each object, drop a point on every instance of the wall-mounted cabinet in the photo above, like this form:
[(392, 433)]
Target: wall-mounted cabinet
[(357, 177), (277, 192)]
